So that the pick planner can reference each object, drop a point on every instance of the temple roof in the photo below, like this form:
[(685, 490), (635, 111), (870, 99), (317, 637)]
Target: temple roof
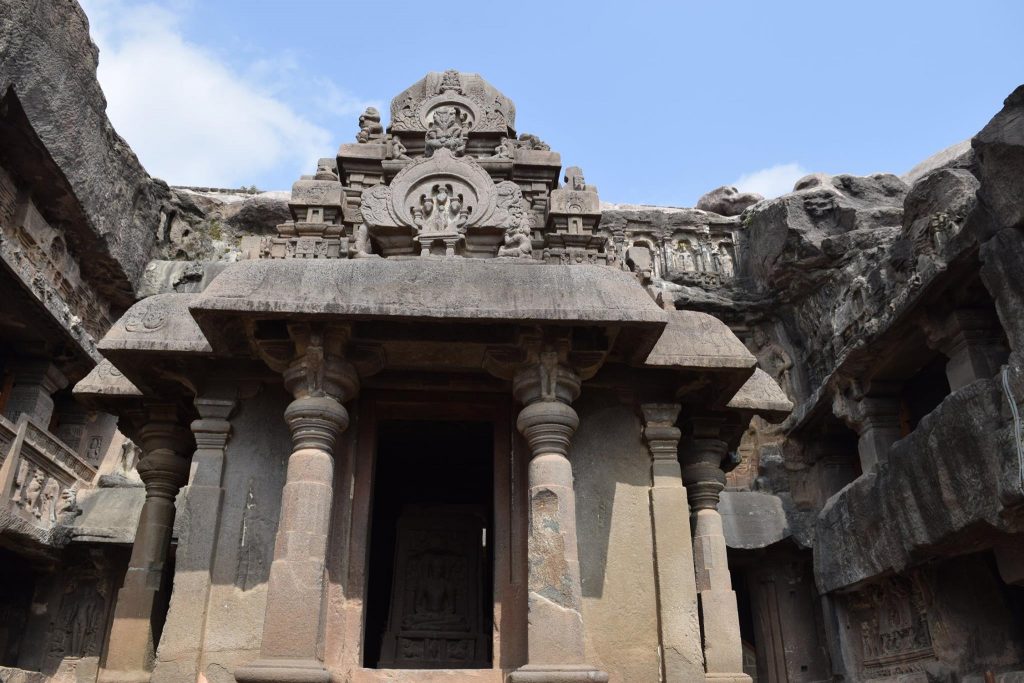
[(488, 108)]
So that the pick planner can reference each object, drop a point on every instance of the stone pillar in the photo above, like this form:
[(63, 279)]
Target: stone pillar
[(875, 416), (701, 456), (163, 469), (293, 628), (973, 342), (35, 382), (555, 635), (682, 659), (879, 429), (181, 643), (72, 419)]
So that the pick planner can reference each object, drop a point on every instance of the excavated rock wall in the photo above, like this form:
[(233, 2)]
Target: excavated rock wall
[(48, 59)]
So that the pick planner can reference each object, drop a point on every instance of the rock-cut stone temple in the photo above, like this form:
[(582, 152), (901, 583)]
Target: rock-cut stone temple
[(440, 414)]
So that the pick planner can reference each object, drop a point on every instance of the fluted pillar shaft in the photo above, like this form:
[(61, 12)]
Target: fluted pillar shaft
[(705, 480), (293, 630), (682, 659), (555, 633), (163, 469)]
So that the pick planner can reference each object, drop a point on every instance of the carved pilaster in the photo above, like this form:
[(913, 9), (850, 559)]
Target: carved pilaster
[(874, 413), (183, 637), (681, 656), (701, 456), (547, 421), (972, 341), (163, 469), (320, 379), (35, 382)]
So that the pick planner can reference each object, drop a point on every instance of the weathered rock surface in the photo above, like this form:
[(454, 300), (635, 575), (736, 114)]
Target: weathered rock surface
[(209, 225), (47, 57), (727, 201), (926, 497), (959, 155), (999, 148)]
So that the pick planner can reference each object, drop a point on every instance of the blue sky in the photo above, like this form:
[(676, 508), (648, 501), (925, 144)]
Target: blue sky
[(657, 101)]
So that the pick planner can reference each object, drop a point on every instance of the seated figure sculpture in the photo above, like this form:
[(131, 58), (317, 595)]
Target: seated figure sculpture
[(447, 131)]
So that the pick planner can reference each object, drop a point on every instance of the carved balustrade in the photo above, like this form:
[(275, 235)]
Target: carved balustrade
[(40, 475)]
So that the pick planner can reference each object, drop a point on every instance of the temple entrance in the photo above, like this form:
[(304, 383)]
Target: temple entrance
[(431, 566)]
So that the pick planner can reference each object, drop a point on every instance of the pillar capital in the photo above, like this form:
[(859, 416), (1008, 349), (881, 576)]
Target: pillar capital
[(662, 438), (972, 341), (319, 367), (546, 380), (212, 429), (702, 471), (547, 388)]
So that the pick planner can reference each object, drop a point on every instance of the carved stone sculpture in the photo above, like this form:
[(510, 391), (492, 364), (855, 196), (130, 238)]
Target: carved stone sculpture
[(532, 142), (396, 150), (574, 179), (450, 81), (370, 129), (434, 618), (505, 150), (440, 197), (447, 131), (325, 170)]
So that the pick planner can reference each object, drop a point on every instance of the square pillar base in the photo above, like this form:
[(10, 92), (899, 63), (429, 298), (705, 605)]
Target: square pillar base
[(558, 673)]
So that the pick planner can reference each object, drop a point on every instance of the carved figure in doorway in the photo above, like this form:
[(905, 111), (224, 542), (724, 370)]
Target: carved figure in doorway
[(725, 263), (436, 596), (686, 262)]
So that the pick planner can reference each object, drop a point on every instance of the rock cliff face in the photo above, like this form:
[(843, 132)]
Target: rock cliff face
[(48, 59)]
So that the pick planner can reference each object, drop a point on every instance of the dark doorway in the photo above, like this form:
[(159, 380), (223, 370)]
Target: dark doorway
[(429, 584), (17, 585)]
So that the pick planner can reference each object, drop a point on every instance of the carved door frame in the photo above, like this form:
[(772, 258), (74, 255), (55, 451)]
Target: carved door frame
[(508, 645)]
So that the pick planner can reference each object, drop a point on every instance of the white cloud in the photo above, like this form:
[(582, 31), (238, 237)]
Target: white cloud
[(188, 115), (772, 181)]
